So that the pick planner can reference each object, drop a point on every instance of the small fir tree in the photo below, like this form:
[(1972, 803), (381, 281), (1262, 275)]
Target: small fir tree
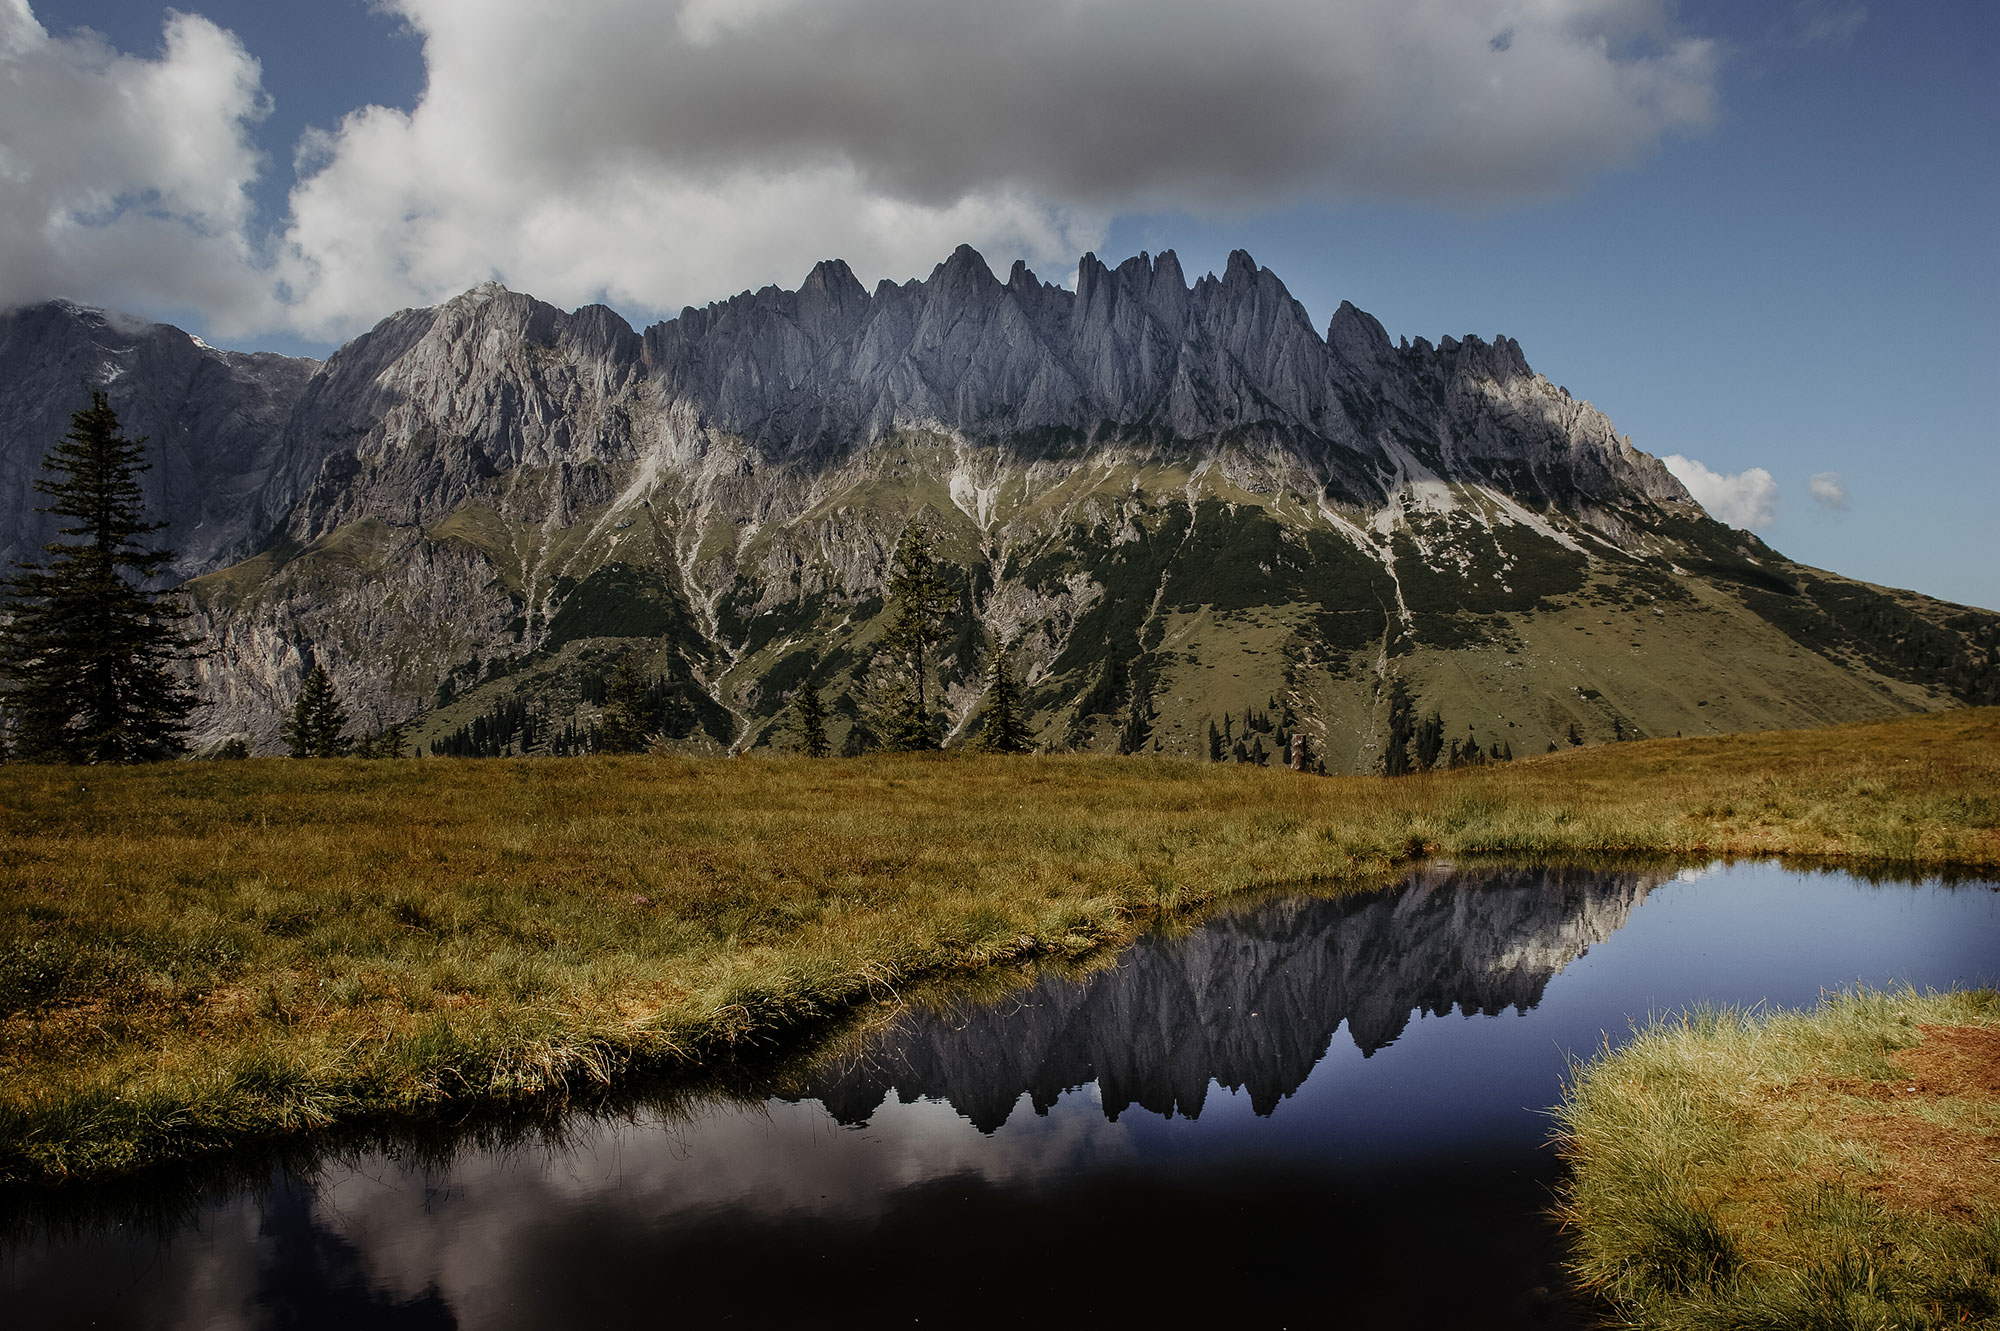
[(1002, 728), (388, 742), (924, 604), (893, 717), (809, 720), (1214, 742), (88, 656), (317, 720)]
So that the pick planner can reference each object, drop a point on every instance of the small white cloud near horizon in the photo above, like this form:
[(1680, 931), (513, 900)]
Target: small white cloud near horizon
[(657, 154), (1828, 490), (1746, 499)]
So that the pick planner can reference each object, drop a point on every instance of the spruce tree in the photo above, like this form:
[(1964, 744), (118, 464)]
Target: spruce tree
[(924, 603), (628, 711), (1402, 728), (1002, 728), (1214, 742), (88, 656), (1430, 743), (809, 720), (317, 720)]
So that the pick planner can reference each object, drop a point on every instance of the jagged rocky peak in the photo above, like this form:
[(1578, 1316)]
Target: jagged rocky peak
[(963, 351), (407, 420)]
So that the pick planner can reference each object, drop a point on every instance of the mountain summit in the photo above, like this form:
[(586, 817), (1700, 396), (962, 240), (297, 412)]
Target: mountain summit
[(1181, 504)]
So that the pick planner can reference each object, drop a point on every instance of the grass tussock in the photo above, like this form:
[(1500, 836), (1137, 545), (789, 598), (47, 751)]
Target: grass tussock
[(196, 954), (1832, 1169)]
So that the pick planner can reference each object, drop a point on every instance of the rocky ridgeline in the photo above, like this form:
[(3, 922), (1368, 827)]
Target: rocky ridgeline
[(415, 416), (457, 499)]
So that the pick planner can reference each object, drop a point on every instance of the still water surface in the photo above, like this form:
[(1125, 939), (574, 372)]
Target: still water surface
[(1301, 1113)]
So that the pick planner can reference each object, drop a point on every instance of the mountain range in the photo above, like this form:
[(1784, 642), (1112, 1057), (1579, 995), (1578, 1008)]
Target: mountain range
[(1182, 505)]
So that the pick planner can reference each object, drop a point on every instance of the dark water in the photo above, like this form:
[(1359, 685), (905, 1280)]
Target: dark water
[(1302, 1113)]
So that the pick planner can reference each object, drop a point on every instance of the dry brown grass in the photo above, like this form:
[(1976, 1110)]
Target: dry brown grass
[(1839, 1168), (197, 953)]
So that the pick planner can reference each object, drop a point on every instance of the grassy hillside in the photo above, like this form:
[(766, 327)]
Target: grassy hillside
[(1143, 601), (198, 953)]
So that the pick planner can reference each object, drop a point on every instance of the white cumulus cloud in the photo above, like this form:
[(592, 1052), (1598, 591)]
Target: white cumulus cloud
[(666, 151), (1828, 490), (124, 180), (1746, 499)]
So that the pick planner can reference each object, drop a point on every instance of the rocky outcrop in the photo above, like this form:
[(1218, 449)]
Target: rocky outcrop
[(1250, 1001), (214, 421), (409, 421)]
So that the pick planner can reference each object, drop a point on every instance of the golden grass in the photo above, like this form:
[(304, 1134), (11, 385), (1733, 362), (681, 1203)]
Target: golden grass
[(1839, 1168), (196, 954)]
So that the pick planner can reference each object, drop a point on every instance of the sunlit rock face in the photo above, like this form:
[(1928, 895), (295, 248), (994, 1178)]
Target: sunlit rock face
[(1250, 1001), (1177, 502)]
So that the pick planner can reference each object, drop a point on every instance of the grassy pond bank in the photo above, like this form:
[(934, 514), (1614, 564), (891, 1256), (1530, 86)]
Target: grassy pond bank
[(1832, 1168), (198, 955)]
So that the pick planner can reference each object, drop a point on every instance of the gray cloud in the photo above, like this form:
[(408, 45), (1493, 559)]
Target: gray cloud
[(1833, 21), (1102, 103), (662, 151)]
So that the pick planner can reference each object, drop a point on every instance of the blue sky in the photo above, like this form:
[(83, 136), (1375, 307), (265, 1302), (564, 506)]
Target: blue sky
[(1770, 242)]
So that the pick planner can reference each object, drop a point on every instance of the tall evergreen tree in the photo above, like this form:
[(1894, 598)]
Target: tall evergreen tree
[(809, 720), (1402, 727), (317, 719), (1002, 728), (924, 604), (1429, 741), (628, 713), (88, 656)]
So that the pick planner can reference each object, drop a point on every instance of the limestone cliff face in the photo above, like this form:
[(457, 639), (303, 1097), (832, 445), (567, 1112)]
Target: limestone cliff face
[(214, 422), (1250, 1001), (1177, 501), (408, 422), (1134, 352)]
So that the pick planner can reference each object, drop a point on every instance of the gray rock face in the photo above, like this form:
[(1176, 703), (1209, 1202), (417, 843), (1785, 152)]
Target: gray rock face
[(1134, 351), (406, 422), (411, 418), (214, 422)]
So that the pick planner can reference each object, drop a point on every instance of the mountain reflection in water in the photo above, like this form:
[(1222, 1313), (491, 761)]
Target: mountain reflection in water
[(1250, 1000), (1393, 1176)]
